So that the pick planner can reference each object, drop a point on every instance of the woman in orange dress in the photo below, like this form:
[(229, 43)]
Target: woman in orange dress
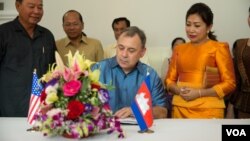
[(197, 95)]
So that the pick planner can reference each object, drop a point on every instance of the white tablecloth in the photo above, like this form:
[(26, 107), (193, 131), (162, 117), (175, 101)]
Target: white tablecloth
[(14, 129)]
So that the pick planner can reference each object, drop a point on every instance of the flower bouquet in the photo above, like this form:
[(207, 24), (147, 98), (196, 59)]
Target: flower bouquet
[(73, 102)]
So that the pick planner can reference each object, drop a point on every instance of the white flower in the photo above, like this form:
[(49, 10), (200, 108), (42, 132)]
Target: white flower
[(51, 89), (54, 111)]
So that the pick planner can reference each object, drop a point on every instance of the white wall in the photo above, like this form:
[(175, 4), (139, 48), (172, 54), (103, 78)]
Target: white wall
[(162, 20)]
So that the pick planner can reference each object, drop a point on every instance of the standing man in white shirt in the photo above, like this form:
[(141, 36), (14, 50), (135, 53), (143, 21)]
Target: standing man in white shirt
[(118, 25)]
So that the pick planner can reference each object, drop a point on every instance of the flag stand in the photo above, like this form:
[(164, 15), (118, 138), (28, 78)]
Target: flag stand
[(33, 129), (146, 131)]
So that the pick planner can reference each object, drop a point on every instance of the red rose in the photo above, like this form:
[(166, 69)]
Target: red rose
[(76, 108), (43, 96)]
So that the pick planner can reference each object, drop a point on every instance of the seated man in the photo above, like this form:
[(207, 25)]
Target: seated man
[(126, 73)]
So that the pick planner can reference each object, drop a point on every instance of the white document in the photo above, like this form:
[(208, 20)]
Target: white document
[(128, 121)]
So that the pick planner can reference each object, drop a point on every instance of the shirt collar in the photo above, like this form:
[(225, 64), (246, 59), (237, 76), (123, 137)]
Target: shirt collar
[(139, 65), (19, 27), (83, 39)]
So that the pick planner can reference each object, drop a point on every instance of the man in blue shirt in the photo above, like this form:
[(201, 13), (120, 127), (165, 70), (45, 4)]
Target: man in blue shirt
[(126, 73)]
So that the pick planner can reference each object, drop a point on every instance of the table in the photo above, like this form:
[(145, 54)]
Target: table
[(14, 129)]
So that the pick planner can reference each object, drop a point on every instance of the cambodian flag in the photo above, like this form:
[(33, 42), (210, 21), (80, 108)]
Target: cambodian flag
[(142, 105)]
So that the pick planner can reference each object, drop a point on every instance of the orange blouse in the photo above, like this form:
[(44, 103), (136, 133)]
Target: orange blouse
[(187, 67)]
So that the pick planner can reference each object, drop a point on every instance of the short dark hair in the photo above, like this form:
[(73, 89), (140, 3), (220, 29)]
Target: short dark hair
[(175, 39), (73, 11), (116, 20), (132, 31), (19, 1)]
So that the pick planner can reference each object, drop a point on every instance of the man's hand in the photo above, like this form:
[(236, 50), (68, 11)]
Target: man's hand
[(124, 112)]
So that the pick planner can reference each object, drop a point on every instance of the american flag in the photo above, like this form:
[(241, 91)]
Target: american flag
[(35, 98)]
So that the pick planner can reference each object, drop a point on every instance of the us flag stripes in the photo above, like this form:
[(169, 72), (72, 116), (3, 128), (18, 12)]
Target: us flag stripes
[(34, 105)]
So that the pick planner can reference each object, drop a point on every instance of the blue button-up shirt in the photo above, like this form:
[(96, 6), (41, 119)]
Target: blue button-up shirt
[(127, 85)]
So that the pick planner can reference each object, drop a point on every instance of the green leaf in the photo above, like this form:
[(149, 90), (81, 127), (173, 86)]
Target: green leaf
[(85, 84), (94, 101)]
